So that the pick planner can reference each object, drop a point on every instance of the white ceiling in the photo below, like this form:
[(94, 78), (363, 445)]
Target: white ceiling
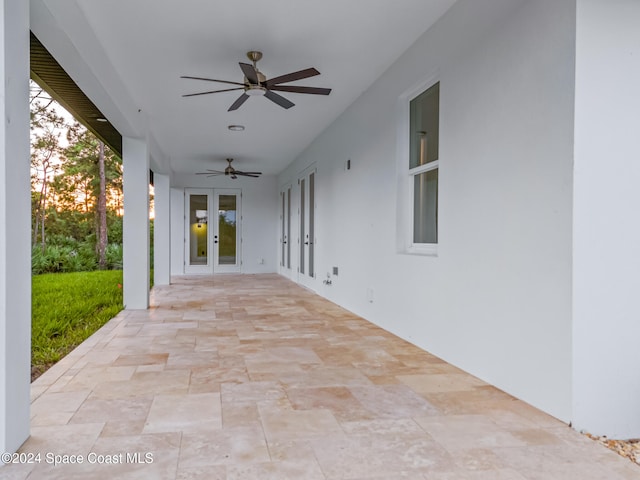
[(128, 56)]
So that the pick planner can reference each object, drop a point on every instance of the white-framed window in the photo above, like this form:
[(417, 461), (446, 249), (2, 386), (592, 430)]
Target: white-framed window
[(422, 168), (418, 167)]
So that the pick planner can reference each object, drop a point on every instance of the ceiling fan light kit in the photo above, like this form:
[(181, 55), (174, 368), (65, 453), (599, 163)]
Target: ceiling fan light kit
[(256, 84), (254, 91)]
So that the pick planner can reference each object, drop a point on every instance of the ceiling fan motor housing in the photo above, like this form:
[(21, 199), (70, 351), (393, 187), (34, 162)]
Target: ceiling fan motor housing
[(229, 170), (255, 89)]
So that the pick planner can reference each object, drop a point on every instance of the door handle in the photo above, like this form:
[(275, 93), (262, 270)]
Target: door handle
[(306, 243)]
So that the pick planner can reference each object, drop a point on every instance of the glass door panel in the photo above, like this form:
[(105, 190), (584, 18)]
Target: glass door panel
[(288, 227), (226, 237), (283, 226), (311, 226), (198, 213), (227, 211), (307, 239), (285, 229), (304, 237), (197, 234)]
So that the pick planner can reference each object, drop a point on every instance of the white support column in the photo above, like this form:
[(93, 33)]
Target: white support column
[(15, 225), (135, 158), (161, 230), (606, 226)]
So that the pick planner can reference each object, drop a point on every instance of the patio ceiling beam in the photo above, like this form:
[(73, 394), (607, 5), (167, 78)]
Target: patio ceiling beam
[(50, 75)]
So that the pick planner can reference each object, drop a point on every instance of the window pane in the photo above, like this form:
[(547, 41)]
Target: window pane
[(198, 217), (289, 228), (227, 229), (425, 207), (311, 221), (425, 112), (283, 235), (302, 226)]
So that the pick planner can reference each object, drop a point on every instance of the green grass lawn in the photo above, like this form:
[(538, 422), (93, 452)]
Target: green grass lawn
[(66, 309)]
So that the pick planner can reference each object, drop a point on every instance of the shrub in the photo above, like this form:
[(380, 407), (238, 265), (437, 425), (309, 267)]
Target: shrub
[(114, 256), (66, 254)]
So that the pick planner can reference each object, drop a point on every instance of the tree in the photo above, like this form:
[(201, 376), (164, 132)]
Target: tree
[(102, 210), (91, 178), (47, 129), (76, 184)]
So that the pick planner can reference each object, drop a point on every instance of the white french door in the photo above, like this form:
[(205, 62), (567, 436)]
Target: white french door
[(212, 231), (306, 226), (285, 230)]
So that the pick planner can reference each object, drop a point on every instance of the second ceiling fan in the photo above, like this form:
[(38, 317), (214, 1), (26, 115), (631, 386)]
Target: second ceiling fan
[(230, 172), (256, 84)]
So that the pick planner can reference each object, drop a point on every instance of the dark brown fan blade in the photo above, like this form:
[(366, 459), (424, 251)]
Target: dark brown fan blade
[(213, 80), (290, 77), (249, 72), (295, 89), (212, 91), (241, 99), (247, 174), (211, 173), (280, 100)]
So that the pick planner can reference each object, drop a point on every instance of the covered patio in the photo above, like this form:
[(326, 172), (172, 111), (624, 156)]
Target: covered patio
[(254, 377), (498, 232)]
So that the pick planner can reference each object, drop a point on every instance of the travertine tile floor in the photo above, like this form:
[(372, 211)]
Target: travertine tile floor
[(252, 377)]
